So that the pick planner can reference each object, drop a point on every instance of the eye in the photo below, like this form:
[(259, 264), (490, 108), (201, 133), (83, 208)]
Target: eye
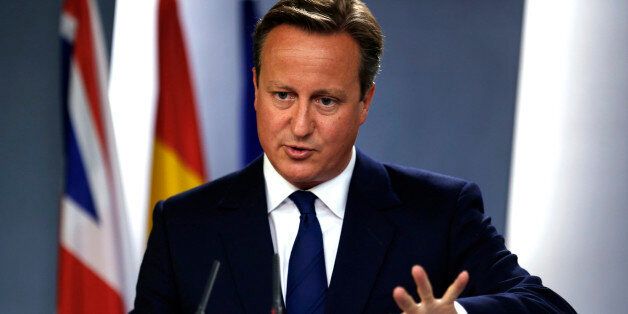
[(326, 101), (282, 95)]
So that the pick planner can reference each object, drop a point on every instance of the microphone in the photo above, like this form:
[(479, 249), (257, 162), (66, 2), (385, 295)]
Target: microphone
[(277, 305), (208, 288)]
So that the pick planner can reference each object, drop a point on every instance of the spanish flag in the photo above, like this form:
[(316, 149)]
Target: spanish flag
[(177, 152)]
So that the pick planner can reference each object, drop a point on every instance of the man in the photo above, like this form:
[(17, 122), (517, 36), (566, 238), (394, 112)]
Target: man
[(350, 231)]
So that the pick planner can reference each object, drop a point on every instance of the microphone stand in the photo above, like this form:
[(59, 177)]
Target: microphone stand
[(208, 288), (277, 305)]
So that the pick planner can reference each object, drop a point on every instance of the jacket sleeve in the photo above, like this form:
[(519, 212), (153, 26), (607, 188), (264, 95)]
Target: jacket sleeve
[(497, 283), (156, 291)]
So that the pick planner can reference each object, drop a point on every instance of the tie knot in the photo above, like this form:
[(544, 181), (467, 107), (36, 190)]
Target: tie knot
[(304, 201)]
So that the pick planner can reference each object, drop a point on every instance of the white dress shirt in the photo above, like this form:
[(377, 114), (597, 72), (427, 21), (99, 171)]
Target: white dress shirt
[(283, 216)]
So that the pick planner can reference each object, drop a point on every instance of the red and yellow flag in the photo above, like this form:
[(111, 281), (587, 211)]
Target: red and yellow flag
[(177, 153)]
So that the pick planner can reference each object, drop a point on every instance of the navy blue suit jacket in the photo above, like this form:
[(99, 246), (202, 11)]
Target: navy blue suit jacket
[(395, 218)]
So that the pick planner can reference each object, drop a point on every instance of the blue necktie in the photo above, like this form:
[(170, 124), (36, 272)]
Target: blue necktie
[(307, 281)]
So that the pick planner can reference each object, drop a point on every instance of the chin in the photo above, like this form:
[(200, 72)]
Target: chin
[(302, 180)]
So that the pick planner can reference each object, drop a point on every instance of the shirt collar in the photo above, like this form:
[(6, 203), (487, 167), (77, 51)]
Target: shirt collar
[(332, 193)]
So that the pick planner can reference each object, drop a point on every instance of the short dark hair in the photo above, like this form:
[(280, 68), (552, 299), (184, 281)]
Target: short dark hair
[(327, 17)]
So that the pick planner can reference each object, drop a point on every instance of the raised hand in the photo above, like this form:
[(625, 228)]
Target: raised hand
[(428, 303)]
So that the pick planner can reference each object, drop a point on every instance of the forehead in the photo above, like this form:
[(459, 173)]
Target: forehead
[(284, 44)]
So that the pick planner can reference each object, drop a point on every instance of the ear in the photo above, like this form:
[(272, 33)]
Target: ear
[(366, 103), (254, 72)]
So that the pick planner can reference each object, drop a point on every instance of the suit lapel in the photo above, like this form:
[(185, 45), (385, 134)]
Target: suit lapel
[(365, 237), (247, 240)]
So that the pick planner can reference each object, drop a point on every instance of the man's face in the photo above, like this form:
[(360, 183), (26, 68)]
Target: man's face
[(308, 103)]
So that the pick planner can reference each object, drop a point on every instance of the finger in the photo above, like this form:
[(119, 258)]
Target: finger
[(404, 301), (423, 286), (457, 287)]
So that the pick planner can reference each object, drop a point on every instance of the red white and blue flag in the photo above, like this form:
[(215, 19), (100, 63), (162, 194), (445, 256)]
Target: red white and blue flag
[(96, 261)]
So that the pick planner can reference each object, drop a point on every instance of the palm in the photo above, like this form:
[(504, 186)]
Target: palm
[(429, 304)]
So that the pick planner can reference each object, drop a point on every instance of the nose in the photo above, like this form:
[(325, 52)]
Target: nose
[(302, 122)]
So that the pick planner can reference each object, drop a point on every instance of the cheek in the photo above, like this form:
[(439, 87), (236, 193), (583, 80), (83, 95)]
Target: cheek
[(263, 123), (269, 121), (342, 129)]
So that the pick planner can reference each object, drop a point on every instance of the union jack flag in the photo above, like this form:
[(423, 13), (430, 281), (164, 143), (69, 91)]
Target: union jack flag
[(96, 261)]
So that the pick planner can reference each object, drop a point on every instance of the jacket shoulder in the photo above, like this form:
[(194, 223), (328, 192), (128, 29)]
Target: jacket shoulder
[(414, 185), (208, 193), (403, 178), (197, 203)]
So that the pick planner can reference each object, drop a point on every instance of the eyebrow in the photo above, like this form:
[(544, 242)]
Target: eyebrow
[(277, 84), (323, 91)]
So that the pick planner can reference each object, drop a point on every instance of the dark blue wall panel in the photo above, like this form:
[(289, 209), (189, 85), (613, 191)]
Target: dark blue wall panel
[(445, 97)]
